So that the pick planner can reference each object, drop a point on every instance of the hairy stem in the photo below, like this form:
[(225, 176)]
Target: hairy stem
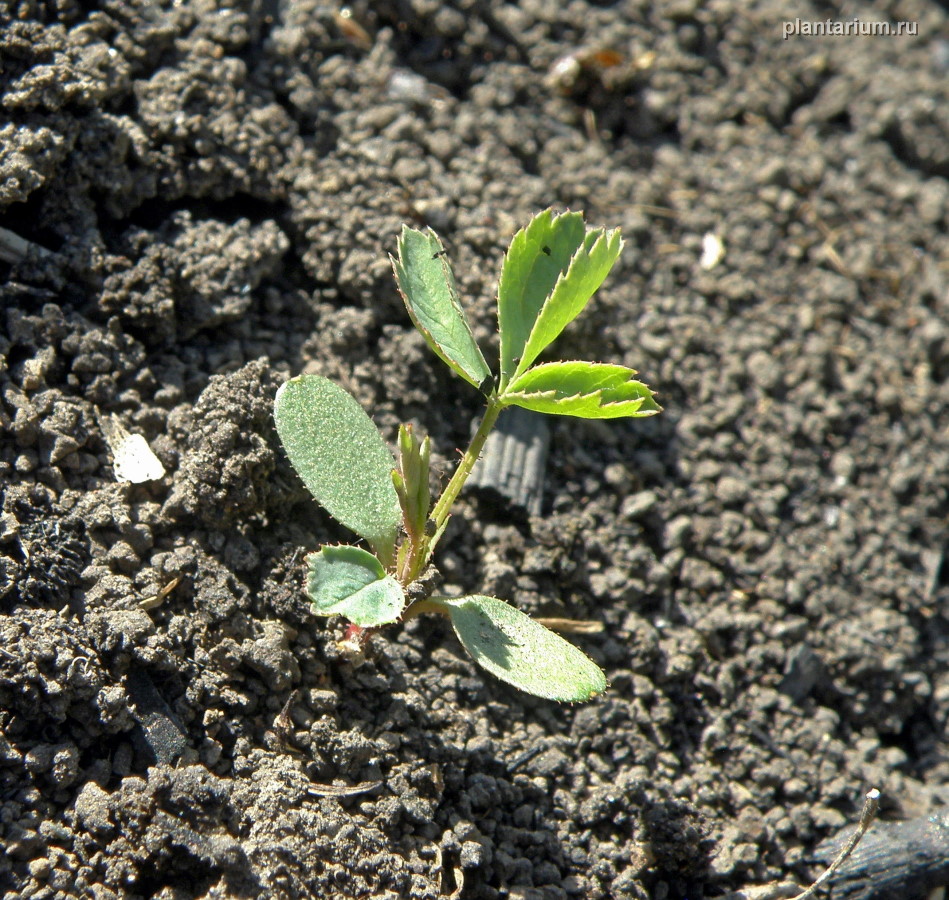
[(429, 605), (442, 508), (415, 559)]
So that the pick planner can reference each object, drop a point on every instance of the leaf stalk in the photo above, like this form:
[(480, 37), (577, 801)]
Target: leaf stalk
[(442, 508)]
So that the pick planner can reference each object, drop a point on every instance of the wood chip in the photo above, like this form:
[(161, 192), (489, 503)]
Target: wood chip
[(514, 459), (343, 790)]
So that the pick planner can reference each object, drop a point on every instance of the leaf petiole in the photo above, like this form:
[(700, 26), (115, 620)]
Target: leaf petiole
[(442, 508)]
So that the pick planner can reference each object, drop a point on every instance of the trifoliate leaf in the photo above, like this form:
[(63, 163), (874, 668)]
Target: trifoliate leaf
[(522, 652), (573, 290), (552, 269), (539, 254), (428, 289), (584, 389), (341, 458), (348, 581)]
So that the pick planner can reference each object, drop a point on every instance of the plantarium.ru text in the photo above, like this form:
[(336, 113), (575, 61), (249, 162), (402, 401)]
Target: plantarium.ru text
[(551, 270)]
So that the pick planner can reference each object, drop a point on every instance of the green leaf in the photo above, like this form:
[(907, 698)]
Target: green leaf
[(520, 651), (348, 581), (584, 389), (552, 269), (428, 289), (411, 481), (588, 268), (341, 458), (539, 254)]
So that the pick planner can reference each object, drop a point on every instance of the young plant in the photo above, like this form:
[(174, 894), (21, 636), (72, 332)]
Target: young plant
[(550, 272)]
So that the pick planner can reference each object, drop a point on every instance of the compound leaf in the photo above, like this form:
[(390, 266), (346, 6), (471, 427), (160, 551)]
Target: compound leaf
[(551, 270), (341, 457), (522, 652), (588, 267), (584, 389), (428, 288), (539, 254), (349, 581)]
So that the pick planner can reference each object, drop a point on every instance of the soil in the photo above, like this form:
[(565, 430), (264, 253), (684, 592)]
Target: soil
[(209, 193)]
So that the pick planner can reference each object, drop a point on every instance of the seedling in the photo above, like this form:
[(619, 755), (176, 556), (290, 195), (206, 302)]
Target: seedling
[(550, 272)]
